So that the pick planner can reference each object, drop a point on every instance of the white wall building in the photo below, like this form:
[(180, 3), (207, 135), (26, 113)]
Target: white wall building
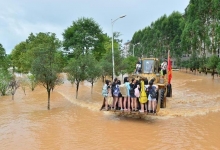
[(125, 50)]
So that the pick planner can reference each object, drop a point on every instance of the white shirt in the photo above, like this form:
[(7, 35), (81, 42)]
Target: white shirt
[(164, 65)]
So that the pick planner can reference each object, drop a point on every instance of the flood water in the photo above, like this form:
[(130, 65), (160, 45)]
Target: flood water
[(190, 121)]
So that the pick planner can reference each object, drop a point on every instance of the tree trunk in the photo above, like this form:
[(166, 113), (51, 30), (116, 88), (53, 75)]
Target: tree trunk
[(12, 96), (48, 106), (32, 86), (24, 90), (77, 87), (92, 87), (103, 78), (213, 73), (3, 91)]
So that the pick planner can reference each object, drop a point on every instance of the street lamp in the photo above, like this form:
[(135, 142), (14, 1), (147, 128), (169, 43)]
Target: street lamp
[(113, 61), (134, 46)]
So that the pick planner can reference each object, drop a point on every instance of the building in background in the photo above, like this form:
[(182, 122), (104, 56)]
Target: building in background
[(125, 50)]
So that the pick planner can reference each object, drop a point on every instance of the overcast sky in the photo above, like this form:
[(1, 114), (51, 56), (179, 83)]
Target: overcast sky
[(18, 18)]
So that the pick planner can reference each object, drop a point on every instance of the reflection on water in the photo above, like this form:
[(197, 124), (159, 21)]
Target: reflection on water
[(190, 121)]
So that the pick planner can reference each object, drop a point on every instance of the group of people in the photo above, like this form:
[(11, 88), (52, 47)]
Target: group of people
[(132, 95)]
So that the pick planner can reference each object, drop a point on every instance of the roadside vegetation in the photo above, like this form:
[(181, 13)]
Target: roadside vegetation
[(86, 52), (193, 38)]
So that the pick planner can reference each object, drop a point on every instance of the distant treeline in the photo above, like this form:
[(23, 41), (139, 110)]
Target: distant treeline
[(196, 33)]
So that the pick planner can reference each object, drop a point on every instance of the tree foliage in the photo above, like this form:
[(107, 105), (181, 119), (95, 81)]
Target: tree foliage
[(76, 71), (19, 56), (195, 33), (212, 63), (32, 81), (106, 64), (161, 36), (93, 69), (14, 84), (130, 64), (4, 60), (218, 68), (84, 36), (46, 66), (5, 78)]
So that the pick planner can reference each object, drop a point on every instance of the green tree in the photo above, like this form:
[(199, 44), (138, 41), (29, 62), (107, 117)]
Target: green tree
[(130, 64), (18, 56), (13, 86), (23, 80), (201, 30), (76, 71), (46, 65), (25, 52), (194, 62), (118, 61), (5, 78), (218, 68), (84, 36), (106, 65), (212, 63), (202, 64), (186, 64), (106, 59), (4, 61), (162, 35), (8, 60), (2, 54), (93, 70), (32, 81)]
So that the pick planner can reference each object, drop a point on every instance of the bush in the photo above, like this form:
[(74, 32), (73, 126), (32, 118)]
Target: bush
[(5, 78)]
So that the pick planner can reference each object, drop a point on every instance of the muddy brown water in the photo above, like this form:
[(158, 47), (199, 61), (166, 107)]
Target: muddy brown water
[(190, 121)]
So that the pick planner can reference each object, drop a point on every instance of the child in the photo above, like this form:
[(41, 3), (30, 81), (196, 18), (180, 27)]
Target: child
[(105, 93), (132, 95), (110, 98), (151, 99), (143, 96)]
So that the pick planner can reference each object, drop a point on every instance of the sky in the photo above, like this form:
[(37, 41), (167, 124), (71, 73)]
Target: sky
[(19, 18)]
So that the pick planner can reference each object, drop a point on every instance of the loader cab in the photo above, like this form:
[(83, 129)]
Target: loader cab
[(150, 66)]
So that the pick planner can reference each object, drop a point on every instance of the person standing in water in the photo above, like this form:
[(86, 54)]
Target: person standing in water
[(127, 98), (152, 100), (114, 92), (105, 93), (132, 95), (143, 96)]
